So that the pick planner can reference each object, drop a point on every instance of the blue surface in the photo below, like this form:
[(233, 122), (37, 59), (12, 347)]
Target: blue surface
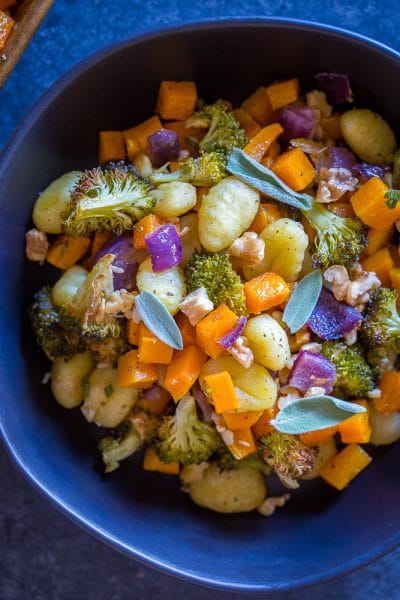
[(29, 526)]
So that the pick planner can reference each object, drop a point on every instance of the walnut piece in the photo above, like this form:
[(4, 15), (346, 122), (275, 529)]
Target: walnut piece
[(36, 245), (353, 292), (333, 183), (120, 303), (241, 352), (268, 507), (196, 305), (317, 100), (249, 248)]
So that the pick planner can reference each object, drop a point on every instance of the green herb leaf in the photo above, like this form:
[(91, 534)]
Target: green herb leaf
[(303, 300), (264, 180), (108, 390), (157, 318), (392, 198), (313, 413)]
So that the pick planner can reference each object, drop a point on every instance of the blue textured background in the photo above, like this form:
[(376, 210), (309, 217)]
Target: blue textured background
[(42, 555)]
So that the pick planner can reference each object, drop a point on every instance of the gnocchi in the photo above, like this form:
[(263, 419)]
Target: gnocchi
[(174, 199), (324, 454), (285, 247), (67, 376), (385, 427), (268, 342), (168, 286), (226, 212), (234, 491), (66, 287), (53, 202), (107, 403), (368, 135), (255, 388), (190, 238)]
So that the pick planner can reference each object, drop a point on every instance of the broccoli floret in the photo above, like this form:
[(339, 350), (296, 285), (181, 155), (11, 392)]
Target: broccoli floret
[(226, 461), (184, 438), (56, 331), (86, 305), (112, 198), (288, 456), (224, 131), (206, 170), (354, 376), (123, 442), (214, 271), (380, 330), (339, 240)]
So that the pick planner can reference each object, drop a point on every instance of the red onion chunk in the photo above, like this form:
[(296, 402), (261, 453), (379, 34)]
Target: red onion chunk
[(336, 87), (206, 409), (340, 158), (331, 319), (298, 122), (310, 370), (163, 147), (122, 247), (165, 247), (230, 338), (365, 171)]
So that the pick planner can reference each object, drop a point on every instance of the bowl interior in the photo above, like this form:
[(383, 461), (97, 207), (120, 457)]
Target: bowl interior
[(320, 533)]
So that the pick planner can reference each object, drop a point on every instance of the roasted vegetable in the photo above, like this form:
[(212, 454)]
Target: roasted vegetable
[(223, 130), (354, 377), (287, 455), (123, 442), (206, 170)]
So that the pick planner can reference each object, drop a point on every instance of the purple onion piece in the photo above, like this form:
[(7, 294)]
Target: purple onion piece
[(165, 247), (122, 247), (206, 409), (331, 319), (336, 87), (230, 338), (163, 147), (341, 158), (298, 122), (310, 370), (365, 171)]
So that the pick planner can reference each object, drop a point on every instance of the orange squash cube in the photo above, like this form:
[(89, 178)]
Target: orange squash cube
[(132, 373), (66, 251), (345, 466), (369, 204), (151, 462), (259, 144), (258, 106), (295, 169), (220, 389), (282, 93), (356, 429), (243, 443), (176, 99), (111, 146), (389, 384), (264, 292), (214, 326), (183, 371), (241, 420), (136, 137), (151, 349)]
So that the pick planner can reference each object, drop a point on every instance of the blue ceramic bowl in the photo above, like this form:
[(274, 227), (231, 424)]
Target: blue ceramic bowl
[(320, 533)]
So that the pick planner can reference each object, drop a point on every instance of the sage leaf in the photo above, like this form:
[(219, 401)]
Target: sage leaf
[(303, 300), (315, 412), (264, 180), (157, 318)]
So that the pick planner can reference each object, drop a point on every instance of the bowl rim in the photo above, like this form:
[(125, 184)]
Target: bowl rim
[(21, 130)]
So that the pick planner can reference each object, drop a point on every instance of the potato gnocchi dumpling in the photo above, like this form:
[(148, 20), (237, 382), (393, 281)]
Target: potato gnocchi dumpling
[(368, 135), (226, 212), (285, 246), (168, 286), (53, 202), (69, 283), (234, 491), (268, 341), (174, 199), (67, 375)]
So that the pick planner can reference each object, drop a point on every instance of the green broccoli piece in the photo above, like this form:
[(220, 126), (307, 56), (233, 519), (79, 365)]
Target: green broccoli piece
[(112, 198), (226, 461), (381, 324), (206, 170), (381, 360), (123, 442), (224, 131), (86, 305), (288, 456), (56, 331), (354, 376), (214, 271), (184, 438), (339, 240)]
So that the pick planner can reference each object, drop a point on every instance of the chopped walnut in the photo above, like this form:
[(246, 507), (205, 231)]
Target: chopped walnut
[(36, 245), (141, 422), (313, 347), (353, 292), (288, 395), (241, 352), (298, 339), (196, 305), (268, 507), (249, 248), (120, 303), (350, 338), (315, 390), (317, 100), (333, 183)]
